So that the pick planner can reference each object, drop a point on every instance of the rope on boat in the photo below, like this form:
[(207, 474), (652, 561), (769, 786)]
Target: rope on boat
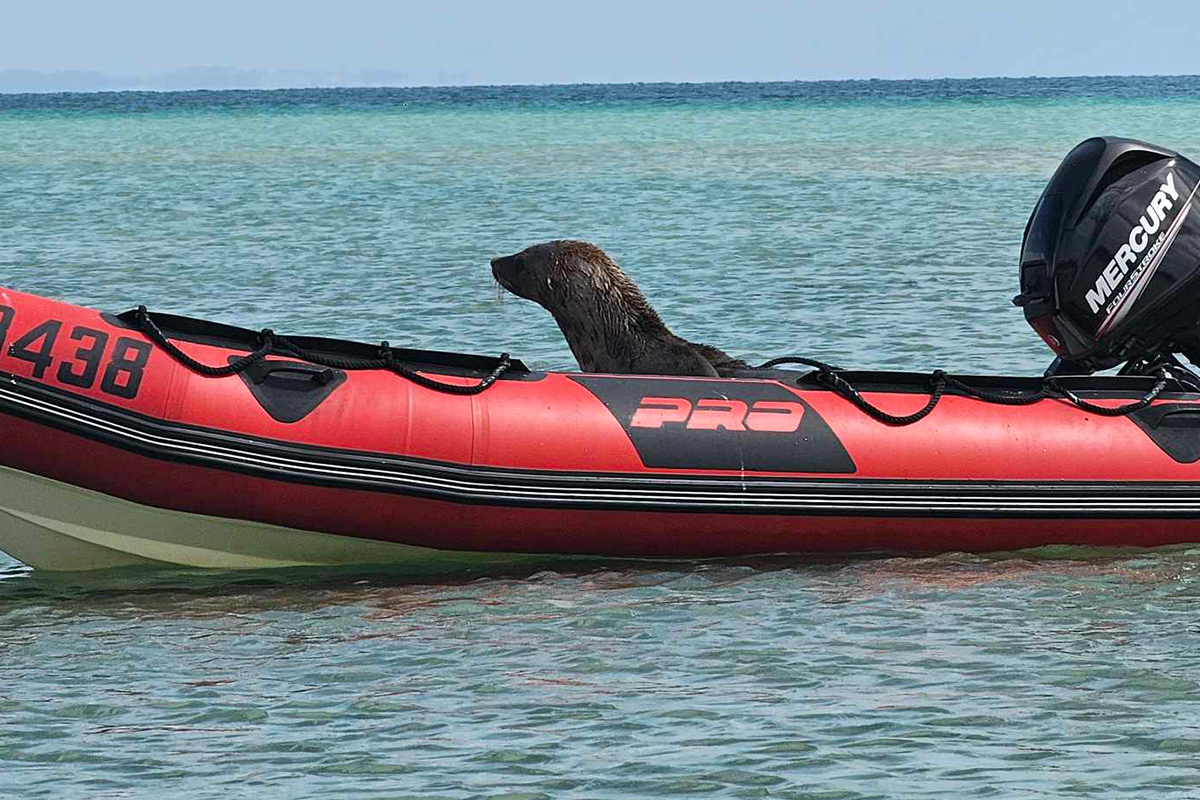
[(939, 381), (273, 343), (840, 385), (826, 375)]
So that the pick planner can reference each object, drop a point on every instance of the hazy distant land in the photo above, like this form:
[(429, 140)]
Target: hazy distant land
[(25, 80)]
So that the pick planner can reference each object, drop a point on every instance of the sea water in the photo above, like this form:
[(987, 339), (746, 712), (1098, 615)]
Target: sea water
[(870, 224)]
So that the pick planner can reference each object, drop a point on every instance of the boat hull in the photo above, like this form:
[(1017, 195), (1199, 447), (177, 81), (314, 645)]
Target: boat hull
[(52, 525), (114, 454)]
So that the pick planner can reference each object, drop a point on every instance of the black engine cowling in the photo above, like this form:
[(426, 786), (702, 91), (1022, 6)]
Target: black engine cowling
[(1110, 262)]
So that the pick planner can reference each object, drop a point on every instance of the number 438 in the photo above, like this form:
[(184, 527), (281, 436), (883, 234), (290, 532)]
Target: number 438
[(122, 375)]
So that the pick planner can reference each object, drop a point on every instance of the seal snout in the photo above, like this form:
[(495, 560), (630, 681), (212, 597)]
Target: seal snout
[(506, 268)]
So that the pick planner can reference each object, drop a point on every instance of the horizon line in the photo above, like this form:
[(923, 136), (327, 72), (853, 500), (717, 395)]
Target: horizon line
[(233, 71)]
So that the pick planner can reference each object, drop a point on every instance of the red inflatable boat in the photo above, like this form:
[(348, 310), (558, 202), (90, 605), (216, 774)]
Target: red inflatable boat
[(116, 450)]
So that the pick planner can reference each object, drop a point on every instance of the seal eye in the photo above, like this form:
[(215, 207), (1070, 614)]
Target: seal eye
[(519, 261)]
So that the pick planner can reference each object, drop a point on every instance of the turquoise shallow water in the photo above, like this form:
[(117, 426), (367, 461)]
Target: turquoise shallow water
[(874, 224)]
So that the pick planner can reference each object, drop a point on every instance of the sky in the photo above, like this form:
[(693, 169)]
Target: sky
[(538, 41)]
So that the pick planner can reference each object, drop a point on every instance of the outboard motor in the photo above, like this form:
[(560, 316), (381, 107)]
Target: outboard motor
[(1110, 262)]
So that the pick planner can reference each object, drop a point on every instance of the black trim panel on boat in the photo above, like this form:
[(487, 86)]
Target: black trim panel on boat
[(1174, 427), (811, 446), (289, 390)]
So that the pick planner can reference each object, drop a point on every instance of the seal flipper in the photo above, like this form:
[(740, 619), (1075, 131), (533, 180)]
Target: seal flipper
[(725, 364)]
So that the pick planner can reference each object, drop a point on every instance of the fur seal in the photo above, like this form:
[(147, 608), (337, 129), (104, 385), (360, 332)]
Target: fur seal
[(607, 321)]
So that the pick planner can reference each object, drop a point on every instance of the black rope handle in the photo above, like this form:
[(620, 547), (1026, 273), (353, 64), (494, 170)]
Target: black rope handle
[(939, 381), (156, 335), (273, 343), (1000, 398), (388, 361), (808, 362), (1105, 411), (839, 384)]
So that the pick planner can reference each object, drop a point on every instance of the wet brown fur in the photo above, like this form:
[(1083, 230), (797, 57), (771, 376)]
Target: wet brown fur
[(607, 321)]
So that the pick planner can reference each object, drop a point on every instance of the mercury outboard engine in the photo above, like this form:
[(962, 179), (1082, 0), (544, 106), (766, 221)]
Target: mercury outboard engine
[(1110, 263)]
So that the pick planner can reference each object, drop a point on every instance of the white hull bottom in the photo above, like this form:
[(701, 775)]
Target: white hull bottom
[(56, 526)]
